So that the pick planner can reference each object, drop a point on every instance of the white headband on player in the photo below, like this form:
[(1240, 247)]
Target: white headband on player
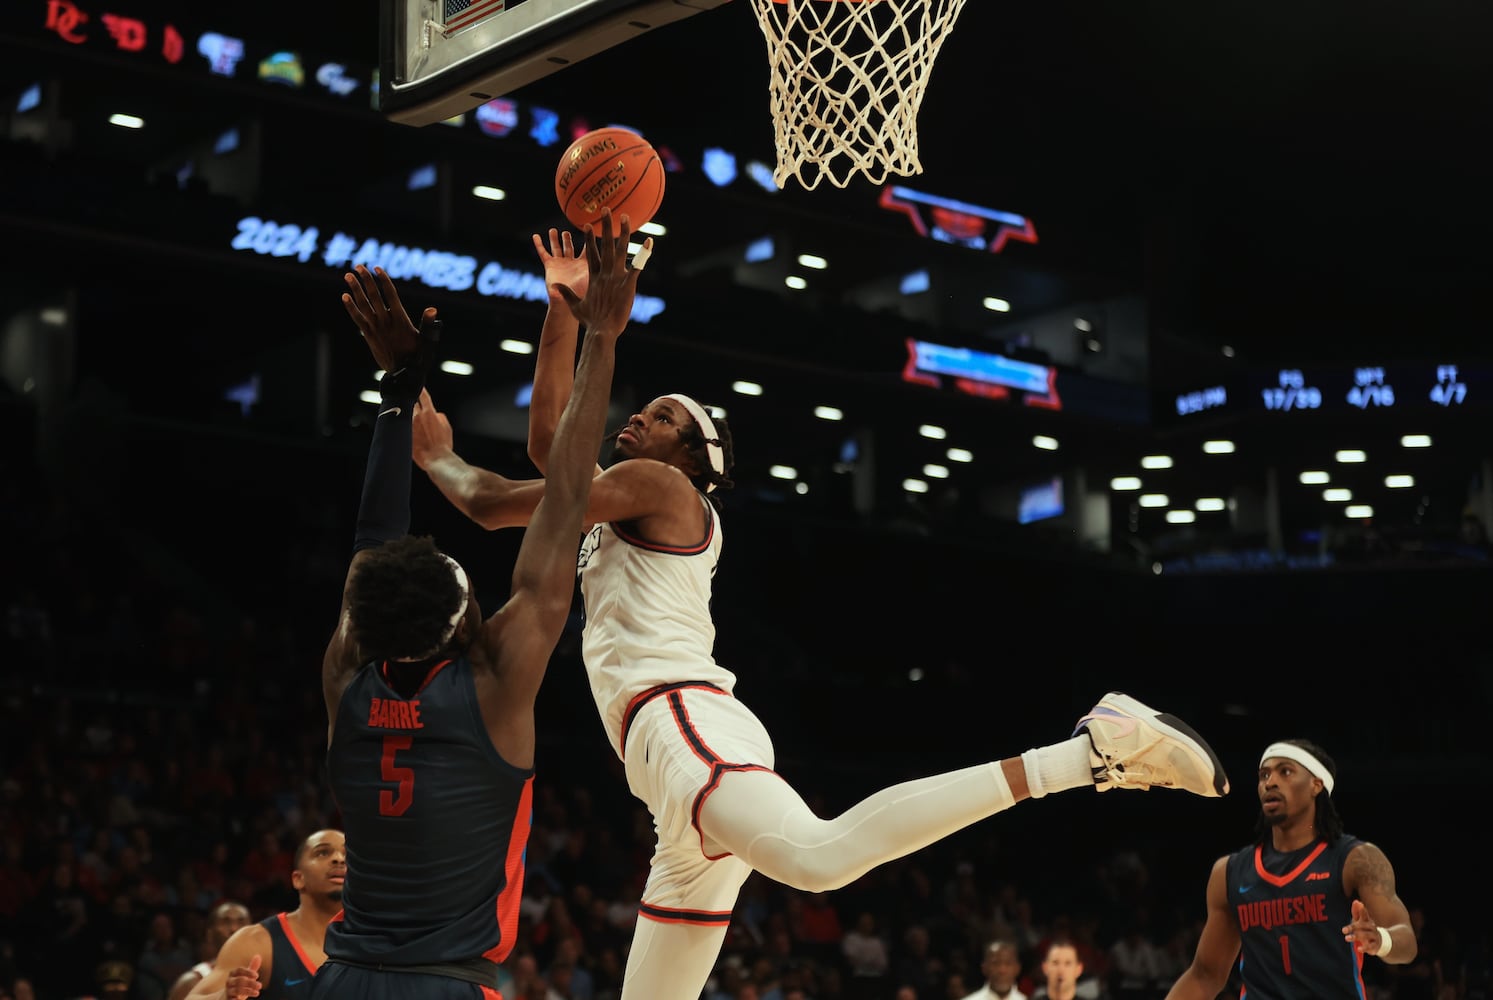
[(707, 431), (1291, 751), (456, 616)]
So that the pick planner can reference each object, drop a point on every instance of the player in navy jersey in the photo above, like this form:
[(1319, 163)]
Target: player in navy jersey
[(430, 707), (276, 958), (696, 755), (1302, 905)]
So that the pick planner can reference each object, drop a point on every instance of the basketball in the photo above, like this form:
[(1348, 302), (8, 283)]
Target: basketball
[(609, 168)]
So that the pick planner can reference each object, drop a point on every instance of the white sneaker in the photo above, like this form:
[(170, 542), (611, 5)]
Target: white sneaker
[(1135, 746)]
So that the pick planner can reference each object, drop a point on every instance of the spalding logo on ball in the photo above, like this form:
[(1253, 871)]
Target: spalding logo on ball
[(609, 168)]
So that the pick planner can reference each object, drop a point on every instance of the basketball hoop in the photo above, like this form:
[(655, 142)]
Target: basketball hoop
[(847, 78)]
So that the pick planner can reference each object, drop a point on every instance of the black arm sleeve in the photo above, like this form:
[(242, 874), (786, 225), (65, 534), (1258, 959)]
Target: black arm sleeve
[(384, 510)]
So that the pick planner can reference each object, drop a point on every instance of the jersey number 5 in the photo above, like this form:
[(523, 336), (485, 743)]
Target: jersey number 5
[(390, 803)]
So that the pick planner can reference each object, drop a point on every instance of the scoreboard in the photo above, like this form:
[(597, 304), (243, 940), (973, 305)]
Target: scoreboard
[(1339, 389)]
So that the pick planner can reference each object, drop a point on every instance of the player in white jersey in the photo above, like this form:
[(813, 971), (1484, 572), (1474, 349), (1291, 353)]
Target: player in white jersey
[(701, 760), (628, 648)]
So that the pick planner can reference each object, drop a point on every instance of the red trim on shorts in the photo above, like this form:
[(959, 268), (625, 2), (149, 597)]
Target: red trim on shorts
[(674, 915), (296, 944), (488, 993), (636, 704), (719, 771)]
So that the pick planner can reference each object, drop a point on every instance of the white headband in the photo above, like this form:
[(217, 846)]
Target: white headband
[(707, 431), (1291, 751), (456, 616)]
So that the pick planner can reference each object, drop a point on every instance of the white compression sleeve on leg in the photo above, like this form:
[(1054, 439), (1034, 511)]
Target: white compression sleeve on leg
[(1059, 767), (670, 961), (758, 817)]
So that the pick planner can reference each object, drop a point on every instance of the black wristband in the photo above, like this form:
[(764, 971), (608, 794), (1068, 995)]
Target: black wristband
[(404, 385)]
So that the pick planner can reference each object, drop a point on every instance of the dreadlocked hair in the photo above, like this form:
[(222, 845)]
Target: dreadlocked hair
[(1328, 824), (400, 600), (699, 452)]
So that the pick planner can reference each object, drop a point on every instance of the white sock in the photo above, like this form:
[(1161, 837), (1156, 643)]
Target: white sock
[(1059, 767)]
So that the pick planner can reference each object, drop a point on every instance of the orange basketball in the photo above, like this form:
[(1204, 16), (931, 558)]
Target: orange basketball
[(609, 168)]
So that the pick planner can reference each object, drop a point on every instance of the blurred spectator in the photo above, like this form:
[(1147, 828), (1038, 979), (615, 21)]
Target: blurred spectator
[(225, 918), (1135, 970), (867, 959), (114, 980), (815, 921), (164, 959), (1061, 971), (568, 967), (1001, 968)]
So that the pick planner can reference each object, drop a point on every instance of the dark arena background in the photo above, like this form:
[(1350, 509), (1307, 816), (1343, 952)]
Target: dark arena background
[(1170, 374)]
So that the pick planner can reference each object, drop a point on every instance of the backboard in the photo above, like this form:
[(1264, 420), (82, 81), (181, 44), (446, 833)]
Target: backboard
[(438, 58)]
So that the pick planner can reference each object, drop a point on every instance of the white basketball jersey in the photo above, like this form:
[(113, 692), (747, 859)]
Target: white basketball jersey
[(647, 616)]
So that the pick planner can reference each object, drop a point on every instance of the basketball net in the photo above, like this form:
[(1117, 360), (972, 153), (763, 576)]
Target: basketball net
[(847, 78)]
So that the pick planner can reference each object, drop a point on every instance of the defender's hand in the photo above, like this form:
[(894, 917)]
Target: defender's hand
[(613, 280), (374, 306), (431, 431), (562, 264)]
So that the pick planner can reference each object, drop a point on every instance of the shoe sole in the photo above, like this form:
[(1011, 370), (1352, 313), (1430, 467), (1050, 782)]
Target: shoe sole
[(1173, 727)]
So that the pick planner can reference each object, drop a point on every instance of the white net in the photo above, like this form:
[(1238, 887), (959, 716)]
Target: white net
[(848, 77)]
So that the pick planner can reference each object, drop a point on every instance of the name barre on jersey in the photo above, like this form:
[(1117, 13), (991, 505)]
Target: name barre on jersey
[(392, 713)]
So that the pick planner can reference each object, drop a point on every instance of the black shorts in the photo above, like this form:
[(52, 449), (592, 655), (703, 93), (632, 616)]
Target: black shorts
[(335, 981)]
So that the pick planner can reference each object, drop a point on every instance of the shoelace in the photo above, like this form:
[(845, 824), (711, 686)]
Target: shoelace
[(1123, 773)]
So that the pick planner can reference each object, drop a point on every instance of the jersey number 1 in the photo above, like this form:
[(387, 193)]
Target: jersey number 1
[(390, 803)]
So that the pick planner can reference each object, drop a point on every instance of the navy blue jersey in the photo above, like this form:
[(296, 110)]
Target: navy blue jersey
[(436, 822), (1291, 910), (291, 971)]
